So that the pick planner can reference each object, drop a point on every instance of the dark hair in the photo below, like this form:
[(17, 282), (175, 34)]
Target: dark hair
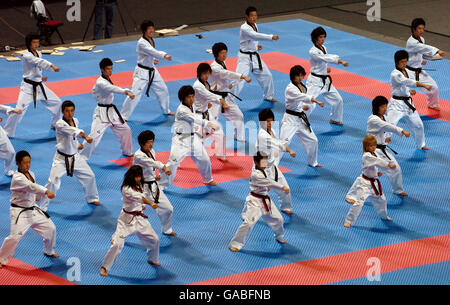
[(217, 47), (29, 38), (377, 102), (145, 136), (265, 114), (20, 155), (145, 24), (128, 178), (250, 9), (416, 22), (184, 92), (202, 68), (399, 55), (296, 71), (66, 104), (317, 32), (258, 157), (105, 62)]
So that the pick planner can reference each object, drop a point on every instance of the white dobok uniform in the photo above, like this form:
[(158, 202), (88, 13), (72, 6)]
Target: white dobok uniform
[(145, 74), (7, 151), (68, 161), (32, 84), (106, 115)]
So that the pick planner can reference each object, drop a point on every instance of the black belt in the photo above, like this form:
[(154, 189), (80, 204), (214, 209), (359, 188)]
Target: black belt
[(151, 75), (383, 149), (115, 109), (416, 71), (35, 85), (378, 191), (180, 133), (69, 168), (224, 94), (301, 115), (27, 209), (205, 114), (406, 100), (136, 213), (251, 58), (276, 173), (263, 198), (324, 79), (156, 194)]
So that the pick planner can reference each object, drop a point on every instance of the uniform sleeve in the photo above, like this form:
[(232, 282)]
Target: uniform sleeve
[(149, 50), (226, 74), (108, 87), (191, 117), (318, 55), (147, 162), (131, 195), (259, 180), (271, 143), (295, 94), (37, 61), (6, 109), (413, 46), (369, 160), (376, 126), (399, 79), (21, 184), (68, 130), (207, 95), (250, 33)]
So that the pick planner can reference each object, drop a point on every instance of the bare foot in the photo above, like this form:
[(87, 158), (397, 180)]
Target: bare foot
[(402, 194), (435, 108), (319, 165), (95, 203), (243, 218), (347, 224), (336, 122), (281, 241), (223, 159), (103, 271), (171, 113), (351, 201), (271, 100), (241, 140), (171, 233), (52, 127), (425, 148), (1, 266), (54, 255), (211, 183), (233, 249), (289, 212), (153, 263), (389, 219)]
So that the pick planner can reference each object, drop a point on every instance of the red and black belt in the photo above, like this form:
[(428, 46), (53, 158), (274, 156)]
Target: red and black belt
[(135, 213), (265, 200), (378, 191)]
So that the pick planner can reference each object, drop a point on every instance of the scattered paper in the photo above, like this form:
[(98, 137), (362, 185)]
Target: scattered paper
[(87, 48), (120, 60), (167, 32), (46, 51), (57, 53), (76, 47), (181, 27), (12, 58), (209, 51), (76, 43), (20, 53), (97, 51), (61, 48)]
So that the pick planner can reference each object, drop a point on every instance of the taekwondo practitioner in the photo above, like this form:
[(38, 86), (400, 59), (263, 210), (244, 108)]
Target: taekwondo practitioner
[(416, 48), (248, 56), (132, 220), (67, 160), (299, 104), (401, 104), (377, 126), (320, 81), (368, 185), (268, 144), (7, 151), (187, 139), (207, 104), (258, 204), (32, 87), (146, 76), (219, 79), (24, 212), (145, 158), (106, 113)]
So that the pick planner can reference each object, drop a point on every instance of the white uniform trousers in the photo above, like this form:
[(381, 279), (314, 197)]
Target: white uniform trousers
[(217, 137), (360, 191), (308, 139), (284, 199), (164, 210), (127, 225), (181, 148), (98, 128), (53, 104), (140, 87), (34, 219), (315, 88), (253, 211), (236, 117), (7, 152), (263, 77), (433, 94), (412, 119), (81, 171)]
